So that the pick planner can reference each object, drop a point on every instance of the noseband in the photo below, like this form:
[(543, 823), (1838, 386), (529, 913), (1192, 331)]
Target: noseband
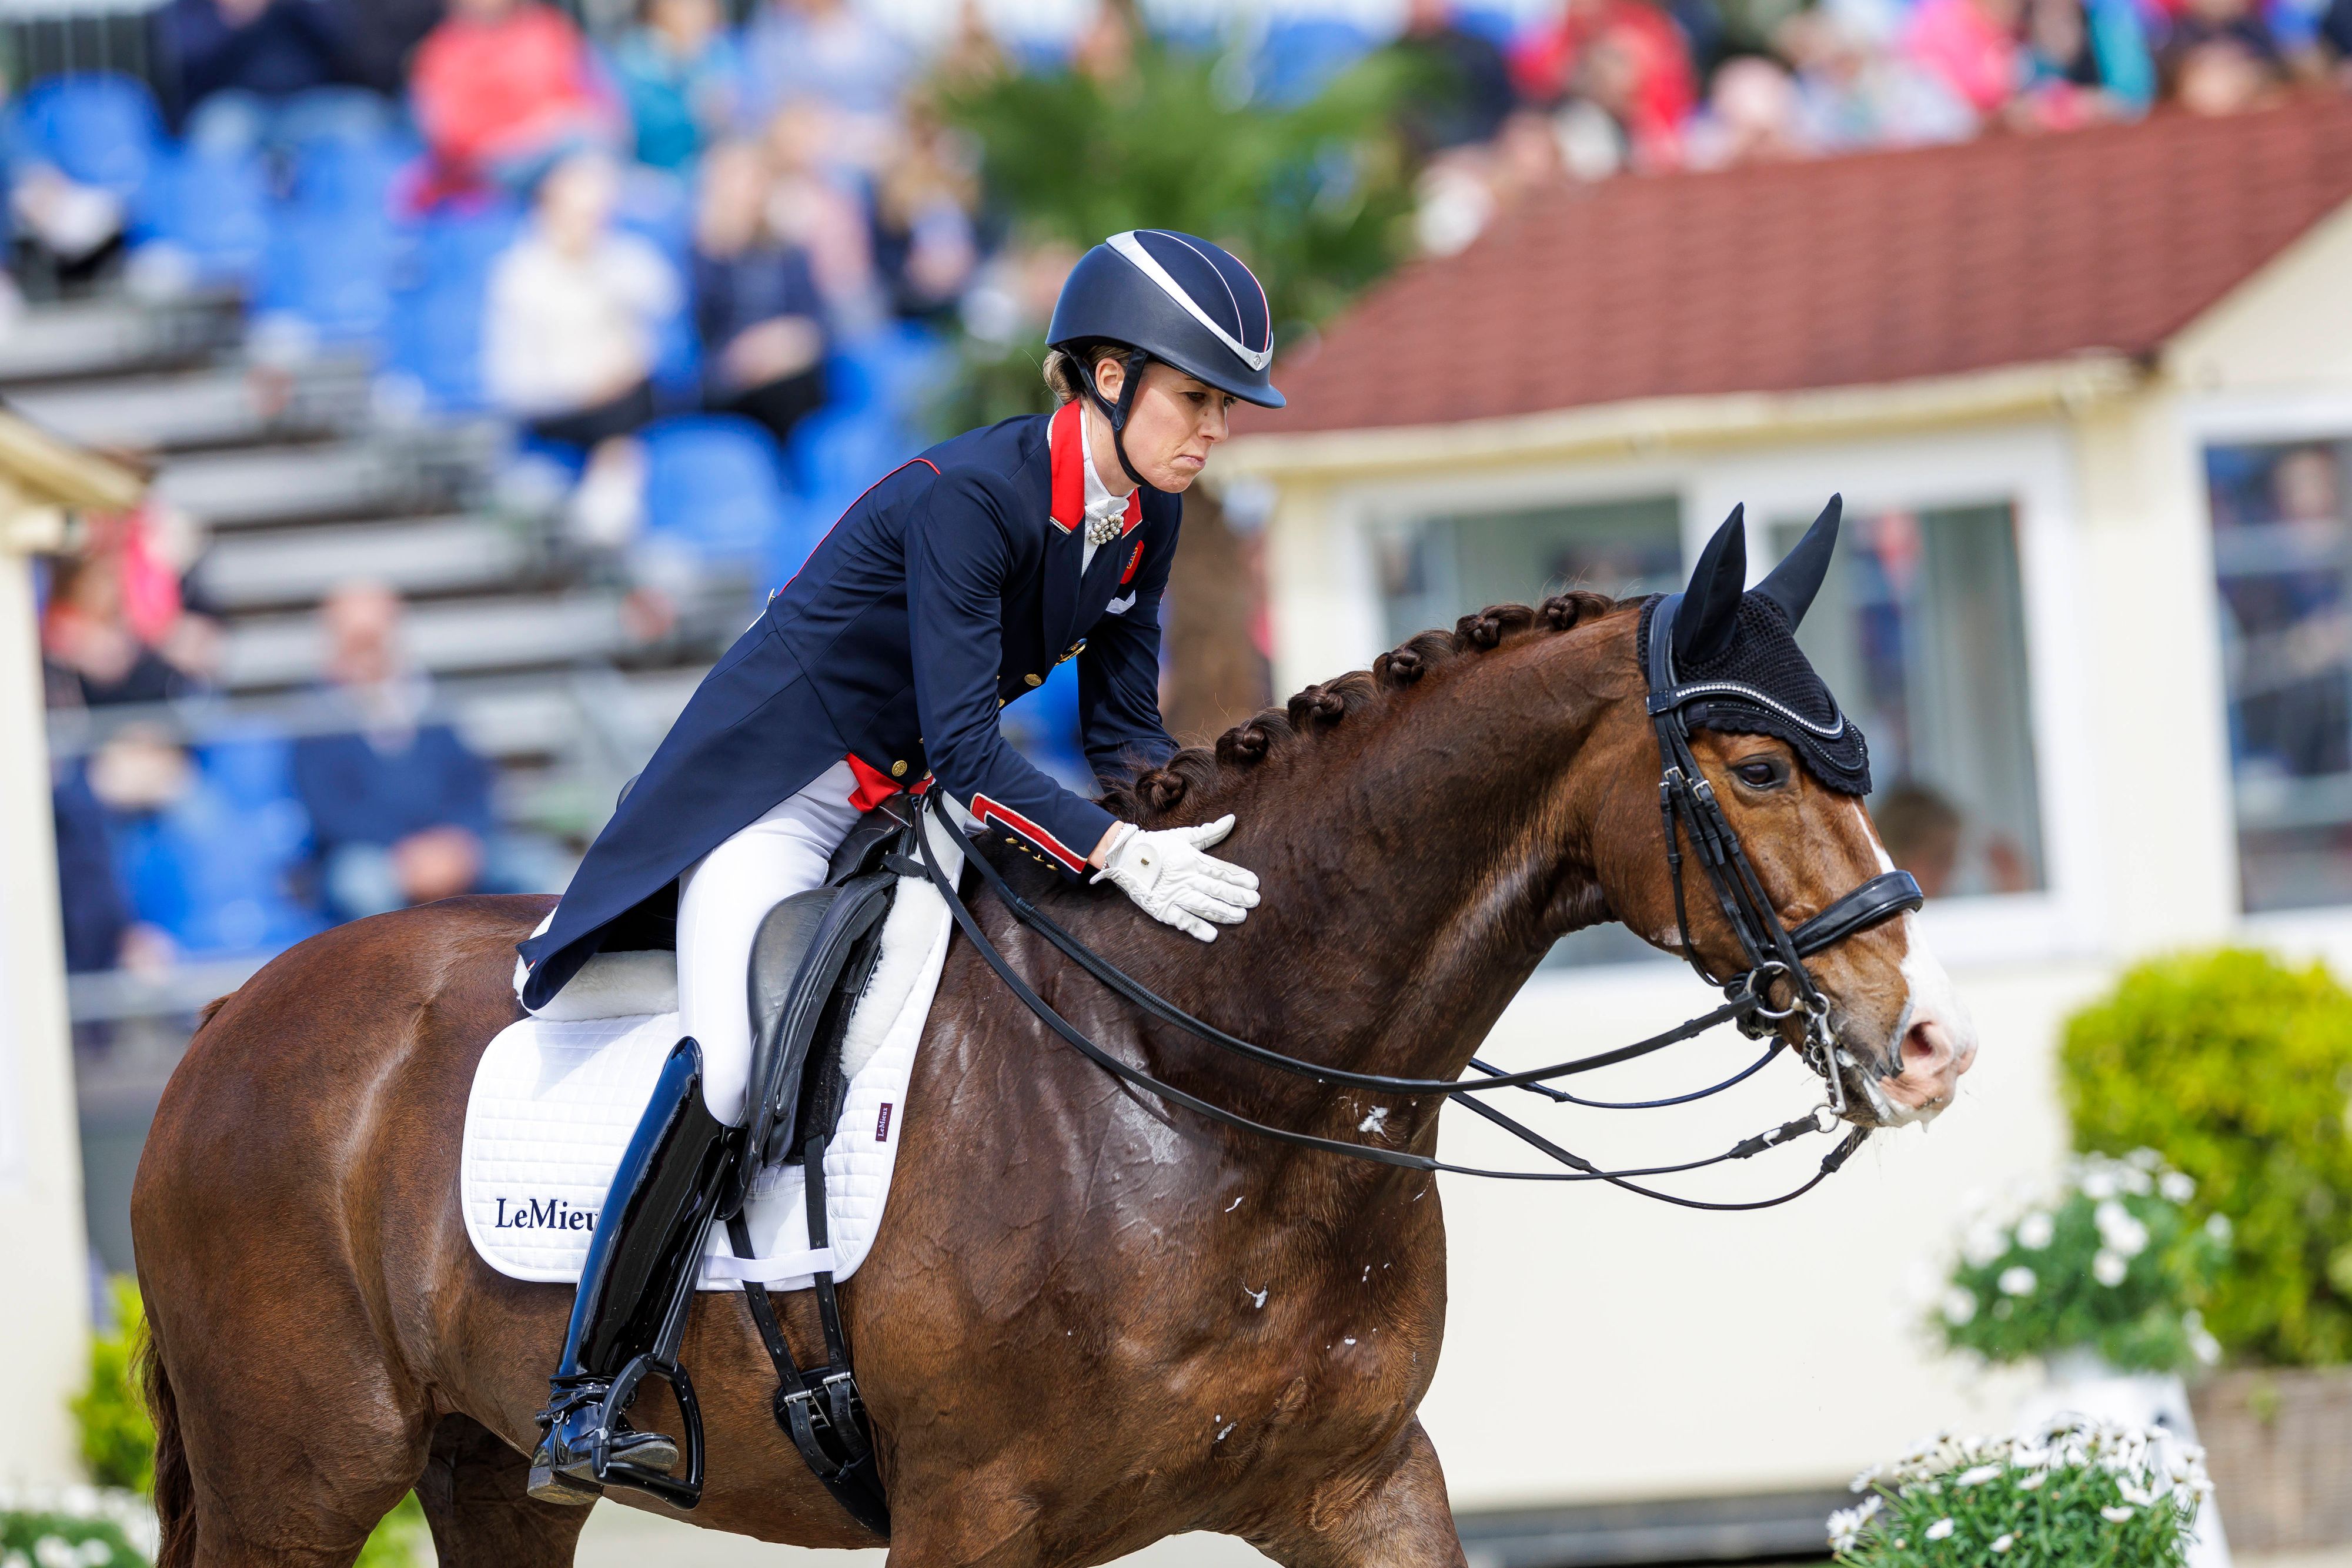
[(1773, 954)]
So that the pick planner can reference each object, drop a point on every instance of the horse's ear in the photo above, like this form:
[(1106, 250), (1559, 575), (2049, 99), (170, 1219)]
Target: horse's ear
[(1792, 584), (1710, 611)]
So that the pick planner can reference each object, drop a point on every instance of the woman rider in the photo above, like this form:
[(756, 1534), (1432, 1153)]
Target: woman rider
[(946, 590)]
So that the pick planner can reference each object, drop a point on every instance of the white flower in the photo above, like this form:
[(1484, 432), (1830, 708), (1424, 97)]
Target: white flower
[(2204, 1347), (14, 1560), (1959, 1305), (2120, 1229), (2108, 1269), (96, 1553), (1862, 1482), (2116, 1515), (2136, 1181), (2017, 1280), (2033, 1483), (2099, 1184), (2179, 1189), (2003, 1543), (56, 1552), (1978, 1476), (2035, 1230), (1983, 1242), (1939, 1530), (1845, 1530), (2217, 1228)]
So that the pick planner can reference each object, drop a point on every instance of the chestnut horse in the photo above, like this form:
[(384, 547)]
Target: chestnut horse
[(1089, 1320)]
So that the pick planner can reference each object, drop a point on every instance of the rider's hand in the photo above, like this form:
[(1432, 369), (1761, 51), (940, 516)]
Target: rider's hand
[(1171, 880)]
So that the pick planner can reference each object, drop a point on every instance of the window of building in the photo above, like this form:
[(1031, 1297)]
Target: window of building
[(1920, 631), (1437, 569), (2283, 563)]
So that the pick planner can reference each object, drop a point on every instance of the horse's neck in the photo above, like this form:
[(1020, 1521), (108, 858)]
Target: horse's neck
[(1414, 872)]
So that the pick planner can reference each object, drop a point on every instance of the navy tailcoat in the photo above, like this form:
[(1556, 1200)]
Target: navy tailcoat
[(950, 589)]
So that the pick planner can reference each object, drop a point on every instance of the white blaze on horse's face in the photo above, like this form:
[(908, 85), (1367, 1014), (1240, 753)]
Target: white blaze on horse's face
[(1935, 1040)]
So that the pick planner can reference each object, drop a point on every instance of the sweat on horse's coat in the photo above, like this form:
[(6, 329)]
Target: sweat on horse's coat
[(554, 1102)]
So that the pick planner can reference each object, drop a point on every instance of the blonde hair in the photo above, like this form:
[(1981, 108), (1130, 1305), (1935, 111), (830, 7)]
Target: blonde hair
[(1066, 369)]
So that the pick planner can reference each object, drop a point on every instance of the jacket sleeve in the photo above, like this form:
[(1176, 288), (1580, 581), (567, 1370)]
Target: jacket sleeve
[(960, 557), (1118, 679)]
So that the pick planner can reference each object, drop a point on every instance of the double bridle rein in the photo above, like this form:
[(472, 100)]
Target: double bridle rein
[(1772, 953)]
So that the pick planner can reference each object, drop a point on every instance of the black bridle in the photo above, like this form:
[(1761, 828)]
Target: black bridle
[(1774, 953)]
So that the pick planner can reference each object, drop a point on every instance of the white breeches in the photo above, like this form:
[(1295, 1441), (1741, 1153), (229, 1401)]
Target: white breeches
[(722, 900)]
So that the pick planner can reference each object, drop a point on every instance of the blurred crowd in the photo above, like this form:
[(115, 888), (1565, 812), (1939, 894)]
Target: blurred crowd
[(688, 264), (1602, 87)]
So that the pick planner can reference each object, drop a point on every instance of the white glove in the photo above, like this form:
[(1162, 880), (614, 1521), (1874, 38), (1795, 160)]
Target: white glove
[(1172, 880)]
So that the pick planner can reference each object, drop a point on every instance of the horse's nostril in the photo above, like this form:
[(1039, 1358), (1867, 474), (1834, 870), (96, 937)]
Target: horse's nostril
[(1922, 1048)]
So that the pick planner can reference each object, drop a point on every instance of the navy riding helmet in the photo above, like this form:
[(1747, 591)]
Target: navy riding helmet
[(1175, 299)]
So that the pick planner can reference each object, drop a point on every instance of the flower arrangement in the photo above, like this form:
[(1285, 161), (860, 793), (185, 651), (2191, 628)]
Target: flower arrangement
[(2109, 1262), (2072, 1494), (76, 1527)]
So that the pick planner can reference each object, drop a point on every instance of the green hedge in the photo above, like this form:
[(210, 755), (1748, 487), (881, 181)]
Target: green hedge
[(2235, 1067)]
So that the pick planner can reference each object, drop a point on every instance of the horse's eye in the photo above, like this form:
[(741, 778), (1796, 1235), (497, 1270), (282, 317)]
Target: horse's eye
[(1762, 773)]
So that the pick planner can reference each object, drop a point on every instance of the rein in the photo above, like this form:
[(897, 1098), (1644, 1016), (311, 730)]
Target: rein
[(1774, 953)]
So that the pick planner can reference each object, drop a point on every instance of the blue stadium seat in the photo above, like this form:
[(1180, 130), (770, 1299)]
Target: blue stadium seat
[(1497, 27), (712, 486), (215, 211), (332, 273), (212, 867), (99, 128), (437, 303), (351, 178), (656, 206), (1301, 54)]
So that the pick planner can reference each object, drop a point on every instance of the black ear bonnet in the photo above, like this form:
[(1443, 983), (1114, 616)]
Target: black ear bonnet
[(1747, 643)]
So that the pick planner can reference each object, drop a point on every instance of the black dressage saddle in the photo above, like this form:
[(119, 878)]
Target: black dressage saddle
[(809, 962)]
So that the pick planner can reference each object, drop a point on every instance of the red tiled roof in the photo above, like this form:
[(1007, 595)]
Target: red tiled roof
[(1842, 272)]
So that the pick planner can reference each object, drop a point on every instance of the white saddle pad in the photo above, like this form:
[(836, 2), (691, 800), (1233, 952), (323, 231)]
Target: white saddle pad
[(555, 1101)]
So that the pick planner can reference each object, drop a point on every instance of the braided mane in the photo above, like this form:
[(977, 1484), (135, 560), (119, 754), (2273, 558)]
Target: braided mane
[(1196, 775)]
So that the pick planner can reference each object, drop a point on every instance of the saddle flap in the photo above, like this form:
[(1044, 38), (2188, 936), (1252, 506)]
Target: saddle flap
[(799, 956)]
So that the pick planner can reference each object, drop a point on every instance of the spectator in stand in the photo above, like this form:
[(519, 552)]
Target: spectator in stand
[(1970, 46), (95, 654), (681, 77), (827, 52), (756, 302), (923, 204), (505, 89), (2083, 63), (90, 892), (1853, 93), (569, 336), (817, 203), (1629, 58), (2222, 57), (399, 805), (1753, 115), (384, 37), (1463, 89), (246, 75), (2335, 39)]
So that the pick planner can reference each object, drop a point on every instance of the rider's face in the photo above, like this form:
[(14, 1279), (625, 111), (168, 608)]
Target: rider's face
[(1175, 422)]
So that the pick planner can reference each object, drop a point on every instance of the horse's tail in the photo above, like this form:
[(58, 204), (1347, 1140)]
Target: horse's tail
[(175, 1492)]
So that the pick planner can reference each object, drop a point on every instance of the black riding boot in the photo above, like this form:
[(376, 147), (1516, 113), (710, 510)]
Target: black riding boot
[(641, 1260)]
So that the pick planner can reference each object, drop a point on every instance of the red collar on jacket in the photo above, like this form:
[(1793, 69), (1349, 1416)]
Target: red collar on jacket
[(1068, 450)]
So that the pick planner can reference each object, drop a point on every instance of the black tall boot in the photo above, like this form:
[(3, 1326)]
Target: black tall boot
[(641, 1260)]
